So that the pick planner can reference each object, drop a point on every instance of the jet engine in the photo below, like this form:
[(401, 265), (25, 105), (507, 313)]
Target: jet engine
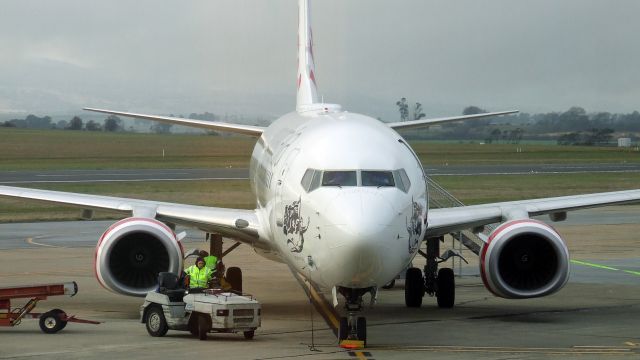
[(132, 252), (524, 259)]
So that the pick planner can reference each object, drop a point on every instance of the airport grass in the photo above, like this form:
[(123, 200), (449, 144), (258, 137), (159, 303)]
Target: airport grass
[(28, 149), (438, 154), (218, 193), (478, 189)]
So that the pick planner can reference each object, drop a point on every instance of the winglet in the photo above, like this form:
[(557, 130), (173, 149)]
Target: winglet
[(307, 91)]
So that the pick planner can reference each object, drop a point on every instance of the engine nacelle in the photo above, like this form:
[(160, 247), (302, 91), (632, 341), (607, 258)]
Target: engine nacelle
[(132, 252), (524, 259)]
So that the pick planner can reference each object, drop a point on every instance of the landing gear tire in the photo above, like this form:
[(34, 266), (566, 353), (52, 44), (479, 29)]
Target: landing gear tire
[(446, 293), (204, 325), (361, 329), (156, 323), (51, 322), (234, 277), (414, 288), (389, 285), (343, 330)]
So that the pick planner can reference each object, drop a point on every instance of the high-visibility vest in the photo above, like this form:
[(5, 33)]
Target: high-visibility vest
[(198, 278), (210, 262)]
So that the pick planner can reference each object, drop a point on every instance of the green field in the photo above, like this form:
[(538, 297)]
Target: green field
[(25, 149), (46, 150)]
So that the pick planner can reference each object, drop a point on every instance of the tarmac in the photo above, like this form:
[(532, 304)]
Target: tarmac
[(596, 314)]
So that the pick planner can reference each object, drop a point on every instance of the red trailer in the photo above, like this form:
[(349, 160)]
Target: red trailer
[(51, 321)]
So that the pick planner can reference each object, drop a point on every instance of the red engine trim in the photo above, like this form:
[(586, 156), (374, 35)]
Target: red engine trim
[(116, 224), (493, 235)]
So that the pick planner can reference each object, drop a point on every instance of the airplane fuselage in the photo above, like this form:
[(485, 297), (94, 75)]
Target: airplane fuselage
[(344, 197)]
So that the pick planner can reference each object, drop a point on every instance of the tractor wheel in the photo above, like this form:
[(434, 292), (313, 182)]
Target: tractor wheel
[(204, 325), (156, 323)]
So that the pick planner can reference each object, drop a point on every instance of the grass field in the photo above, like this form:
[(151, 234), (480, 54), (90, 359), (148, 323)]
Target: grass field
[(24, 149), (45, 150)]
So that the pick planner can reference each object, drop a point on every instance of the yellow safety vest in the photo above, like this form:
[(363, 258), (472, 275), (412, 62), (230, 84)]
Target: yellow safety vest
[(198, 278), (210, 262)]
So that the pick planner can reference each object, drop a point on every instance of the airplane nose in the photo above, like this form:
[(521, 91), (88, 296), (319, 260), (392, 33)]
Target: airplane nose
[(358, 227), (360, 217)]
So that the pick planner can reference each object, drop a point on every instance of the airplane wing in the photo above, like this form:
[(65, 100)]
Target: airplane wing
[(238, 224), (254, 131), (414, 124), (445, 220)]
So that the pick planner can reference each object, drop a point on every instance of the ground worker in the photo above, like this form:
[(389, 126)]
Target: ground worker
[(209, 260), (199, 274)]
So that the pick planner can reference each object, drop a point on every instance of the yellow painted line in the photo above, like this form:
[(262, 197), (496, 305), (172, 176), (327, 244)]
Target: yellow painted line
[(321, 301), (604, 267), (30, 241), (594, 265), (594, 350), (360, 355)]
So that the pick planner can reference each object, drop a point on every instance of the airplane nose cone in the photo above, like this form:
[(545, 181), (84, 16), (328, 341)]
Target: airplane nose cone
[(358, 227), (359, 216)]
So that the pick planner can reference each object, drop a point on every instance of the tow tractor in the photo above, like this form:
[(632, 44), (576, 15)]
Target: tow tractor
[(50, 321), (202, 311)]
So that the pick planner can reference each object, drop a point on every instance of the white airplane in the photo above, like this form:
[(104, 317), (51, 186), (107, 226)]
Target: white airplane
[(341, 198)]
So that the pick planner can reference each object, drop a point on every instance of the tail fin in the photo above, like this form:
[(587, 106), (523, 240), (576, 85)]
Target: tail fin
[(307, 92)]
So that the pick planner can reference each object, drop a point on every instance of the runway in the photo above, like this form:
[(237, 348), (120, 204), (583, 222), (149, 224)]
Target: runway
[(89, 176), (594, 316)]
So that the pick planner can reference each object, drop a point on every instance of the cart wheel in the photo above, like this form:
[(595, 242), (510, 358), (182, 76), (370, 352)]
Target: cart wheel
[(156, 323), (249, 334), (204, 325), (193, 324), (51, 323), (61, 314)]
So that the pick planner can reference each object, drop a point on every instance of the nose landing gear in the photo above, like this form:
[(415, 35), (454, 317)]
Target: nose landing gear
[(352, 332)]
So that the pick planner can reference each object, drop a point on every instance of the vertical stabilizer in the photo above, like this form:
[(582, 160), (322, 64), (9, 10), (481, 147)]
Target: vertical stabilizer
[(307, 92)]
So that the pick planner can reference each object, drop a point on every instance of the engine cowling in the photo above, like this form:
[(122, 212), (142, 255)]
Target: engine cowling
[(524, 259), (132, 252)]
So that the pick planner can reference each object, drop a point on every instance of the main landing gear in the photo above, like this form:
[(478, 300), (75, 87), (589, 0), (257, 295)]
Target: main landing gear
[(440, 283), (354, 327)]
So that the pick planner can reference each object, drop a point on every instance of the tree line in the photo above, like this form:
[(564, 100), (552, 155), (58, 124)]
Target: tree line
[(572, 127), (112, 123)]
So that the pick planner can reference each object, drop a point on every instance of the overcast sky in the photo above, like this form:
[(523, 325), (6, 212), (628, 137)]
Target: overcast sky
[(239, 56)]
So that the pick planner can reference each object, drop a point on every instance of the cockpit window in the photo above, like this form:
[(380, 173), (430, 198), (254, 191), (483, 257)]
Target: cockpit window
[(402, 180), (306, 179), (313, 178), (339, 178), (377, 178)]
